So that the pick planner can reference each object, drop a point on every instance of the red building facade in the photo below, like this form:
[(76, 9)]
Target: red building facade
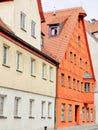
[(65, 40)]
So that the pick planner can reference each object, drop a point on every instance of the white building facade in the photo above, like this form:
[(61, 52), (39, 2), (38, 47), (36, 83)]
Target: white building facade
[(92, 35)]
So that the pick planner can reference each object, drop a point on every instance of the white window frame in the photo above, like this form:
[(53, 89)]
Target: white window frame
[(44, 72), (5, 55), (43, 103), (63, 112), (2, 105), (19, 61), (69, 112), (51, 74), (49, 109), (31, 108), (22, 20), (33, 67), (33, 27), (17, 107)]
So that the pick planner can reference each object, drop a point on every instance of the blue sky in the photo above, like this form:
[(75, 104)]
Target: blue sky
[(90, 6)]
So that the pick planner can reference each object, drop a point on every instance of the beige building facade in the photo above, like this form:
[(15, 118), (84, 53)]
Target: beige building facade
[(23, 19)]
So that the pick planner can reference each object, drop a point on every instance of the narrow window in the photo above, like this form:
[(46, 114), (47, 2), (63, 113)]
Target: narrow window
[(62, 112), (43, 109), (74, 83), (18, 62), (86, 87), (82, 87), (62, 79), (33, 24), (69, 82), (86, 65), (69, 112), (51, 74), (5, 54), (16, 107), (44, 71), (78, 40), (49, 110), (87, 114), (74, 59), (71, 59), (83, 114), (91, 115), (33, 67), (80, 62), (31, 108), (2, 105), (78, 85), (22, 20)]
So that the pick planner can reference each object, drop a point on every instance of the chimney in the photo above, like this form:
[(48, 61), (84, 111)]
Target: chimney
[(54, 12)]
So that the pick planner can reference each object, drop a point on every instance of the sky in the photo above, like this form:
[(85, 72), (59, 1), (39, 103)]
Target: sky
[(90, 6)]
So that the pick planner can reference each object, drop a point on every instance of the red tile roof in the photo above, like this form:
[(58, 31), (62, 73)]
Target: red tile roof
[(57, 45), (91, 26)]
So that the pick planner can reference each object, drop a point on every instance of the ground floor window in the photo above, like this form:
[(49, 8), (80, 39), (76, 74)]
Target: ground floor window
[(63, 112), (83, 116), (69, 112)]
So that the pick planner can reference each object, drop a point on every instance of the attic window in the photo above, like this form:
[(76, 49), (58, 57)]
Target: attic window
[(54, 30)]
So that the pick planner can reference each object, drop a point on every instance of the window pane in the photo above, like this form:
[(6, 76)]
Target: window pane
[(22, 20), (33, 28), (1, 105)]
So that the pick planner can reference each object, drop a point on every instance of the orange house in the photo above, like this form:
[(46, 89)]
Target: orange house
[(65, 40)]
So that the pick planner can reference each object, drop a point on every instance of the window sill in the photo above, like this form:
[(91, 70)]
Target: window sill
[(43, 117), (33, 36), (44, 78), (33, 75), (51, 81), (31, 117), (5, 65), (23, 29), (17, 117), (19, 71), (49, 117), (3, 117)]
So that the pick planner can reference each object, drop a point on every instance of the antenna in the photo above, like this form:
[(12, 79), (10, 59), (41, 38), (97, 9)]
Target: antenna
[(54, 12)]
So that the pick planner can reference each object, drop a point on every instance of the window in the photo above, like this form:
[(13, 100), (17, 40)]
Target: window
[(62, 79), (78, 85), (62, 112), (54, 30), (87, 114), (91, 114), (80, 62), (33, 28), (74, 59), (42, 39), (81, 86), (5, 54), (49, 110), (44, 71), (69, 82), (31, 108), (51, 74), (19, 61), (83, 115), (22, 20), (78, 40), (43, 109), (16, 107), (69, 112), (74, 83), (2, 100), (86, 66), (33, 67), (86, 87), (71, 57)]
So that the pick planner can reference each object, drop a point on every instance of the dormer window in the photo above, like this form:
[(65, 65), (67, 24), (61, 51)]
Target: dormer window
[(54, 30)]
